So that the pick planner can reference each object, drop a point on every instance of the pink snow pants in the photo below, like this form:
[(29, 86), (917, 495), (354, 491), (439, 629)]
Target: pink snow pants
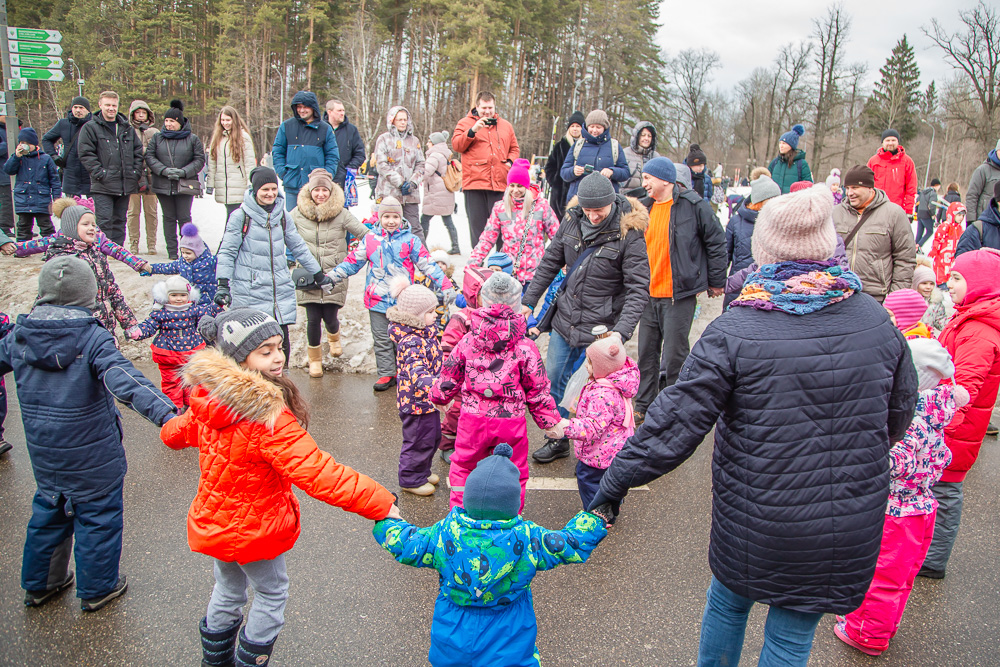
[(475, 439), (905, 541)]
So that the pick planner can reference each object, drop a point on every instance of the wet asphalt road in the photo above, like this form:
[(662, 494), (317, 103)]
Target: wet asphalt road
[(637, 602)]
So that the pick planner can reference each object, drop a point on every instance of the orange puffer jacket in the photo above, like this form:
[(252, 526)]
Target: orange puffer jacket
[(251, 453)]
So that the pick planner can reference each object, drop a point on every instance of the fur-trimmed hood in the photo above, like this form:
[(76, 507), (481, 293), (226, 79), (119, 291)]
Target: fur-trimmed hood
[(636, 219), (416, 322), (324, 212), (240, 393)]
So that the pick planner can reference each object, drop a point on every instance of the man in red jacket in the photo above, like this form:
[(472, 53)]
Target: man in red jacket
[(488, 148), (895, 172)]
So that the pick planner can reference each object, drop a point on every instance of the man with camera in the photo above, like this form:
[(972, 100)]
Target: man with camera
[(488, 148)]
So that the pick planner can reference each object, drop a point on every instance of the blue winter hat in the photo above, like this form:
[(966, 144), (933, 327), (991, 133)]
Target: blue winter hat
[(792, 136), (28, 136), (501, 260), (493, 489), (662, 168)]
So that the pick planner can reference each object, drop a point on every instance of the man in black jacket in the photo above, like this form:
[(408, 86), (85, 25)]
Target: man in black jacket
[(601, 243), (352, 149), (110, 150), (687, 255), (75, 179), (557, 186)]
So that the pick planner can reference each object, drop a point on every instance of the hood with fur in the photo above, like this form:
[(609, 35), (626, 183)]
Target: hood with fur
[(234, 393), (324, 212), (634, 216)]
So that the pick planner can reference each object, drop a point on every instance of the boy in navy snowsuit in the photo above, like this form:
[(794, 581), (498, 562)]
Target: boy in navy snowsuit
[(69, 373), (37, 185)]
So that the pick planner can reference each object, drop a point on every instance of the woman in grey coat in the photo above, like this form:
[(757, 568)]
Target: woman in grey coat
[(640, 150), (252, 270), (438, 200)]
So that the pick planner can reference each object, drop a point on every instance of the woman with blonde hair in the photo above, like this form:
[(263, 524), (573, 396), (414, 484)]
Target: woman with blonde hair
[(230, 161)]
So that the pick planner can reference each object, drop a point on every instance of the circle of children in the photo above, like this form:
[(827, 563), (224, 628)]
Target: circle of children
[(910, 387)]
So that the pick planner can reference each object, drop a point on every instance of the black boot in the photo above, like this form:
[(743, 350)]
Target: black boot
[(552, 450), (218, 649), (252, 654)]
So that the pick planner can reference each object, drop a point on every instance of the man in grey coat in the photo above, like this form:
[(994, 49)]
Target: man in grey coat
[(984, 179)]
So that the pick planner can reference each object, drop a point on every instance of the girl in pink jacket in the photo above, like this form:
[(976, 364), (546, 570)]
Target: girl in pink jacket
[(524, 219), (500, 376), (604, 418)]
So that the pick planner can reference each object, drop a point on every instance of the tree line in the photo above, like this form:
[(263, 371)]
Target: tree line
[(541, 58)]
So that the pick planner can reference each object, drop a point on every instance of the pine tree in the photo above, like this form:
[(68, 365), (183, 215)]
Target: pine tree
[(896, 98), (929, 102)]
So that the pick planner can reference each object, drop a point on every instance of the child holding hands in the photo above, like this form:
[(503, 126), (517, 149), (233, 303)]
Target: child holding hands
[(249, 422), (196, 264)]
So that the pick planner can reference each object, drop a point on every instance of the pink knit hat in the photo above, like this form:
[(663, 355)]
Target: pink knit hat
[(519, 173), (799, 186), (606, 356), (908, 307), (981, 270), (795, 227)]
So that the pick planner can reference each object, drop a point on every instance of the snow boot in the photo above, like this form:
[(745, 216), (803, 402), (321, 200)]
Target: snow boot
[(218, 649), (315, 361), (252, 654), (335, 349)]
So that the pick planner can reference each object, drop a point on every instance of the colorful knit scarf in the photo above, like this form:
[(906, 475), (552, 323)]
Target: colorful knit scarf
[(797, 288)]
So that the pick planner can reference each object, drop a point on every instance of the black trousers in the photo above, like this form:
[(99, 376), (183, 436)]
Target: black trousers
[(26, 224), (318, 314), (111, 212), (6, 207), (478, 206), (176, 213), (663, 345)]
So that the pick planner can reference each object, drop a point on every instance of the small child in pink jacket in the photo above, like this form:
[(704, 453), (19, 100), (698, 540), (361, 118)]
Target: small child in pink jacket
[(604, 418), (500, 376), (917, 462)]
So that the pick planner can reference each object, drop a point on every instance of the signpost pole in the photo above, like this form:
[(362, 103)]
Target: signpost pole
[(9, 103)]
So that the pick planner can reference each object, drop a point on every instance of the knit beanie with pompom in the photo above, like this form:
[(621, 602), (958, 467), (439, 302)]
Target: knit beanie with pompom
[(501, 288), (191, 240), (69, 214), (606, 356)]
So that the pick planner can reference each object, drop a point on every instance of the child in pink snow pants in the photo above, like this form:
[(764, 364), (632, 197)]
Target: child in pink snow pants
[(500, 376), (917, 463)]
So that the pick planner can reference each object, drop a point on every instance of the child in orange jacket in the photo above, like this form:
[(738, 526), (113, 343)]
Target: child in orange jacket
[(249, 422)]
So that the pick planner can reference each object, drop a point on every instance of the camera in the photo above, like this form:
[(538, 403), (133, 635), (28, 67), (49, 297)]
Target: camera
[(489, 122)]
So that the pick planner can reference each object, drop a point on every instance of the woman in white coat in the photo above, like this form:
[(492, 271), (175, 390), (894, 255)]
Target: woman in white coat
[(230, 161)]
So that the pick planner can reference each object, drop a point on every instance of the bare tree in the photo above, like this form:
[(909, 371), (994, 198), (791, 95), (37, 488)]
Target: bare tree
[(976, 53), (830, 33), (690, 73)]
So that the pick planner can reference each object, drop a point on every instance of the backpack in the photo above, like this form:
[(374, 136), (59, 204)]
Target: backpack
[(615, 146), (453, 176), (928, 197)]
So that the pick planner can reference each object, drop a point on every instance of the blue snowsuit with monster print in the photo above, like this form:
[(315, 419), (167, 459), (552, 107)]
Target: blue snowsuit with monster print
[(484, 614)]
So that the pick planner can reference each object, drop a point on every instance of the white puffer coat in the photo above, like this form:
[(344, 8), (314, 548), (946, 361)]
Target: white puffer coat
[(230, 178)]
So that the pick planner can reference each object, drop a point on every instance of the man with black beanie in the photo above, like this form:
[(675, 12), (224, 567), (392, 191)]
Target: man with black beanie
[(895, 173), (60, 143), (557, 186)]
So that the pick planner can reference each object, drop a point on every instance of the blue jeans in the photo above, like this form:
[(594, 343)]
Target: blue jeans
[(561, 361), (788, 634)]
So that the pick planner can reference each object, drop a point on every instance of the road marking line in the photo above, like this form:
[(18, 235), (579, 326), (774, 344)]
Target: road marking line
[(553, 484)]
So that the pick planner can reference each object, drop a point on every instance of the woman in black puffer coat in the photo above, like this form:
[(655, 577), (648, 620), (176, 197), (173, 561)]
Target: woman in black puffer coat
[(807, 388), (173, 154)]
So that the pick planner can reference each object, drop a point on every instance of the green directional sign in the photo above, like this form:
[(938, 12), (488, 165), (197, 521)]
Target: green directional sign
[(34, 35), (35, 61), (37, 73), (36, 48), (17, 84)]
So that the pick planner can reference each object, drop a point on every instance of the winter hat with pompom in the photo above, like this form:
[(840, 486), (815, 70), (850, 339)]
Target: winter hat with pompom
[(493, 489), (834, 177), (191, 240), (606, 356), (238, 331), (501, 288), (695, 156), (795, 227), (176, 111), (932, 361), (69, 214), (412, 303), (792, 136), (908, 307)]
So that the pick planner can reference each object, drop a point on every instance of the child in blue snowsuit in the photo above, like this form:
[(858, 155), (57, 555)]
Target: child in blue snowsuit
[(486, 556), (37, 185), (196, 265), (68, 374)]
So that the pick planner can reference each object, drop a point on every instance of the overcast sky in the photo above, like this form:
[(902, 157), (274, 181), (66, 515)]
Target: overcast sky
[(748, 34)]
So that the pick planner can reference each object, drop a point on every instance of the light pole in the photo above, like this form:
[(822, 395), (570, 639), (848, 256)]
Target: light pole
[(281, 79), (79, 76), (927, 174)]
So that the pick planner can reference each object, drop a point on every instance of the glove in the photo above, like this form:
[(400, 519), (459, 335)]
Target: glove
[(601, 500), (323, 281), (450, 295), (133, 333), (605, 512), (209, 189), (405, 188), (222, 296), (173, 173)]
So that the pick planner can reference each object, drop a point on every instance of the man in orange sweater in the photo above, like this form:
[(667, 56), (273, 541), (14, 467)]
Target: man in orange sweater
[(687, 255)]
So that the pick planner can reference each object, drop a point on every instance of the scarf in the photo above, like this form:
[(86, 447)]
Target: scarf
[(797, 287)]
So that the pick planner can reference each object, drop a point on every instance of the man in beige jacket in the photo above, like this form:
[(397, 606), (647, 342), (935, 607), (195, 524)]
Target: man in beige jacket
[(142, 119), (877, 235)]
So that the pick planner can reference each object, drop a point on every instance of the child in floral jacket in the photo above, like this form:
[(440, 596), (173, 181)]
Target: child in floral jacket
[(604, 418), (174, 322), (196, 265), (523, 219), (418, 360), (917, 461), (487, 556), (500, 376)]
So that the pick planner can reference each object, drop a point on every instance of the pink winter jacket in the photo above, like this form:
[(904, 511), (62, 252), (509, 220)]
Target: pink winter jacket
[(918, 460), (523, 233), (497, 370), (598, 431)]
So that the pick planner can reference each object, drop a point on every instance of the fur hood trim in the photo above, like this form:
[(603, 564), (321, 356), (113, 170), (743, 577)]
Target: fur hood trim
[(246, 393), (637, 219), (394, 314), (324, 212)]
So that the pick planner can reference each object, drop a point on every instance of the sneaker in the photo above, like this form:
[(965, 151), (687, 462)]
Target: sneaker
[(5, 446), (93, 604), (992, 429), (842, 635), (38, 598), (552, 450), (433, 479), (425, 489), (928, 573), (446, 455), (385, 382)]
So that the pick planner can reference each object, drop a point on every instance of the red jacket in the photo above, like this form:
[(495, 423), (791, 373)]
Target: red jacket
[(251, 453), (897, 176), (973, 339), (487, 155), (946, 242)]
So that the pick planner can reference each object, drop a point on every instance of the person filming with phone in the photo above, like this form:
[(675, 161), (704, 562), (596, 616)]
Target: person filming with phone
[(595, 150)]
